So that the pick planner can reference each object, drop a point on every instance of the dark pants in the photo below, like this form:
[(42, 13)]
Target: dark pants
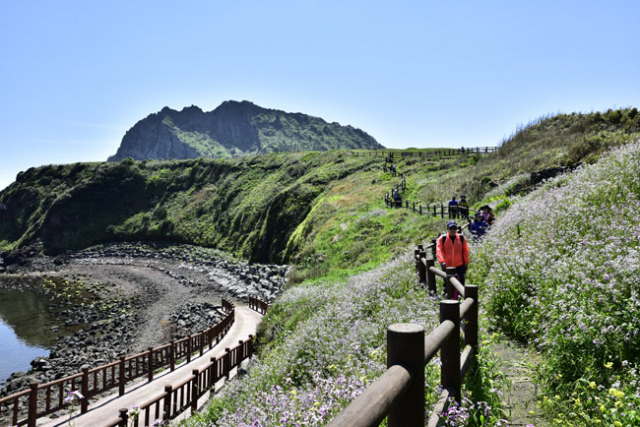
[(461, 272)]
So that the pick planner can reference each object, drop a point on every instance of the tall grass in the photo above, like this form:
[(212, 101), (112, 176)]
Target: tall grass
[(562, 271)]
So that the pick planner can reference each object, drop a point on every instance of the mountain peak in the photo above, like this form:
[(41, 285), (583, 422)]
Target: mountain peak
[(233, 129)]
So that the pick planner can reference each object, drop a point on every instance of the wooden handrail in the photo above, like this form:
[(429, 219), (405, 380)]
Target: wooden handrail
[(373, 405), (380, 399), (205, 379)]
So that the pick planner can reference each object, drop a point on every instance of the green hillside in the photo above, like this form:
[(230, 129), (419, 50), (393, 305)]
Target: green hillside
[(324, 213)]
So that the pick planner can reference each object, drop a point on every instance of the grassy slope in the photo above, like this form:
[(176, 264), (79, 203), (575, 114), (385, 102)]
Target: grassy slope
[(297, 372), (562, 269), (322, 211)]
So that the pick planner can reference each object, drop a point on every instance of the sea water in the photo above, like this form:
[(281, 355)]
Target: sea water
[(27, 330)]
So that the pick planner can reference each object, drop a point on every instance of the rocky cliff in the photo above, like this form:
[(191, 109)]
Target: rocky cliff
[(234, 129)]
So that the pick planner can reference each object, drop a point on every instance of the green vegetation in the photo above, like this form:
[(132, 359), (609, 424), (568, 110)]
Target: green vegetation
[(324, 213), (560, 271)]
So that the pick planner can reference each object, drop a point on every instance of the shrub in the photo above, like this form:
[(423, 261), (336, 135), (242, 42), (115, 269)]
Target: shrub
[(160, 213)]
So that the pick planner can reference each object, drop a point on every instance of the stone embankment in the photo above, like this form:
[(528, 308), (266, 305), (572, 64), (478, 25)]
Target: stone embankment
[(236, 278)]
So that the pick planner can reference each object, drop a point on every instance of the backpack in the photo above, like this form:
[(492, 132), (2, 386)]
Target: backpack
[(444, 238)]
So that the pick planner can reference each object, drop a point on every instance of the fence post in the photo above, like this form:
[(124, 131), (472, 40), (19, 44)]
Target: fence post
[(195, 390), (167, 401), (124, 417), (150, 373), (241, 357), (84, 402), (450, 350), (422, 257), (420, 209), (250, 346), (226, 363), (471, 324), (405, 346), (172, 355), (451, 272), (431, 276), (33, 404), (434, 243), (189, 348), (201, 335), (122, 376), (441, 210)]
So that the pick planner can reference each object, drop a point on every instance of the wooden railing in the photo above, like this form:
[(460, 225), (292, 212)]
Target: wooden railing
[(182, 396), (258, 305), (44, 399), (434, 210), (427, 154), (399, 394)]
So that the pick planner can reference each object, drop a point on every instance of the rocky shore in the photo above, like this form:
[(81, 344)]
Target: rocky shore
[(135, 296)]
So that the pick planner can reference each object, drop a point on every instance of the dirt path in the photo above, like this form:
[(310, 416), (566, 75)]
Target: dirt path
[(518, 363), (157, 282), (102, 411)]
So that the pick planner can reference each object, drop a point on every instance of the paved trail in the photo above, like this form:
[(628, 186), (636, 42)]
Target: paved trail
[(106, 409)]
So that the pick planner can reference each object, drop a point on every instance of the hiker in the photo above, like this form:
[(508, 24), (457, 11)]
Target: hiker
[(488, 214), (478, 227), (453, 208), (463, 208), (397, 198), (452, 251)]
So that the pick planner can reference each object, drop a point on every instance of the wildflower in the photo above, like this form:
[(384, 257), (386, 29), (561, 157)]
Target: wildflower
[(592, 385)]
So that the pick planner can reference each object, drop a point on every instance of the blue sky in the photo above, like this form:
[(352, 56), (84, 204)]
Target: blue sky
[(76, 75)]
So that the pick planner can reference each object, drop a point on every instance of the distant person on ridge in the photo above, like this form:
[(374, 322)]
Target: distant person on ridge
[(452, 251), (478, 227), (463, 208), (453, 208)]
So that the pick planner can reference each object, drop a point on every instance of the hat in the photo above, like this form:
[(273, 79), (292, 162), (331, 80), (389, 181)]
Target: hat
[(452, 223), (463, 197)]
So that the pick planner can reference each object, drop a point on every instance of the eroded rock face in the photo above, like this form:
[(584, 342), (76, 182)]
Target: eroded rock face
[(234, 129)]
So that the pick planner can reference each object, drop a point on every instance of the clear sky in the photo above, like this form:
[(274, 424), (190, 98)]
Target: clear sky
[(76, 75)]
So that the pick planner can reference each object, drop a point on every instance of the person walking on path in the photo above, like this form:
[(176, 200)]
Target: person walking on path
[(453, 208), (452, 251), (463, 208), (489, 216), (478, 227)]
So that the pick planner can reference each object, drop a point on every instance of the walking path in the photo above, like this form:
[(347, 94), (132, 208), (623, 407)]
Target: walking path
[(518, 364), (106, 409)]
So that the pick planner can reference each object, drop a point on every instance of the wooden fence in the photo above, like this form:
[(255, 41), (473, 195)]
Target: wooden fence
[(399, 394), (434, 210), (177, 398), (258, 305), (44, 399), (426, 154)]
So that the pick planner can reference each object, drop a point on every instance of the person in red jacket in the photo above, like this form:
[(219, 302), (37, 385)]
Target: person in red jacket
[(452, 251)]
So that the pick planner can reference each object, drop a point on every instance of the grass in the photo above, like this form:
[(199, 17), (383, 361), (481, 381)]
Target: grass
[(566, 281)]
